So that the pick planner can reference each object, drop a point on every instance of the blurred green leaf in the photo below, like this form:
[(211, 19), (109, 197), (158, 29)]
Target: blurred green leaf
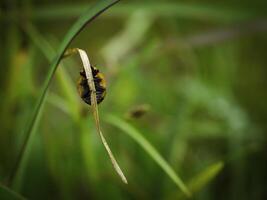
[(7, 194), (131, 36), (89, 16), (62, 76), (205, 177), (201, 180), (154, 154), (210, 12)]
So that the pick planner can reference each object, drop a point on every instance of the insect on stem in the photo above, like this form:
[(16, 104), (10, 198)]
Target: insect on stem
[(90, 79)]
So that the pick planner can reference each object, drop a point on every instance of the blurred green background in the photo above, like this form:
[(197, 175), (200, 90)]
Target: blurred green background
[(196, 70)]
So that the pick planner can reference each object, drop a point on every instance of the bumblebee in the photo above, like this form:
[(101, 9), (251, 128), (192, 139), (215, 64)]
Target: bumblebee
[(100, 86)]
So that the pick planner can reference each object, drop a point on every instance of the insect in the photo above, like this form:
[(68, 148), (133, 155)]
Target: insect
[(100, 86), (138, 111)]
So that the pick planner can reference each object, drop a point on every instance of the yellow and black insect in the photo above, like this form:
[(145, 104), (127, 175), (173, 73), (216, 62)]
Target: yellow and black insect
[(100, 86)]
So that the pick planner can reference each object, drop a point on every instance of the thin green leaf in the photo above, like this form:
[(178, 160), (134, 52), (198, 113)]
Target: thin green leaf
[(201, 180), (7, 194), (138, 137), (205, 177), (211, 12), (88, 16), (62, 76)]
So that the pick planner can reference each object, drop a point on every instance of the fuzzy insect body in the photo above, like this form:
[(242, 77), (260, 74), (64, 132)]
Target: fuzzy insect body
[(100, 86)]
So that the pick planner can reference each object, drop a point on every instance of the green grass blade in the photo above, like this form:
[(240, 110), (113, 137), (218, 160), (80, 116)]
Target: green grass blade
[(201, 180), (210, 12), (205, 177), (87, 17), (7, 194), (64, 80), (138, 137)]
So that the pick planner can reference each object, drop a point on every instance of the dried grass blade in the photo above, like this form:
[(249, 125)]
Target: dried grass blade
[(89, 75)]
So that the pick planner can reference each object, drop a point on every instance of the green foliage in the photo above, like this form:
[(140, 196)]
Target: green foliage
[(29, 130), (8, 194), (151, 151), (200, 67), (201, 180)]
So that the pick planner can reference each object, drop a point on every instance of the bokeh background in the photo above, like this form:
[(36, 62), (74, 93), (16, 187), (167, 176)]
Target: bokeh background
[(189, 76)]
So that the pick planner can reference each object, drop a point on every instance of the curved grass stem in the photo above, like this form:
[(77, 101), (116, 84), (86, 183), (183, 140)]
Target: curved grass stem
[(90, 79), (88, 16)]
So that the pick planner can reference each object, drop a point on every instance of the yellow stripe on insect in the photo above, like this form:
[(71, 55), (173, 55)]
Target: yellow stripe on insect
[(100, 85)]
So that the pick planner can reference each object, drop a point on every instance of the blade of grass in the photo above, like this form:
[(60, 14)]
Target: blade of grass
[(87, 17), (131, 36), (205, 177), (202, 179), (18, 179), (138, 137), (64, 80), (211, 12), (7, 194), (89, 75), (71, 99)]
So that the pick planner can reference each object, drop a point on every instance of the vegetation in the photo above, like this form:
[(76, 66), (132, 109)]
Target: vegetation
[(184, 114)]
